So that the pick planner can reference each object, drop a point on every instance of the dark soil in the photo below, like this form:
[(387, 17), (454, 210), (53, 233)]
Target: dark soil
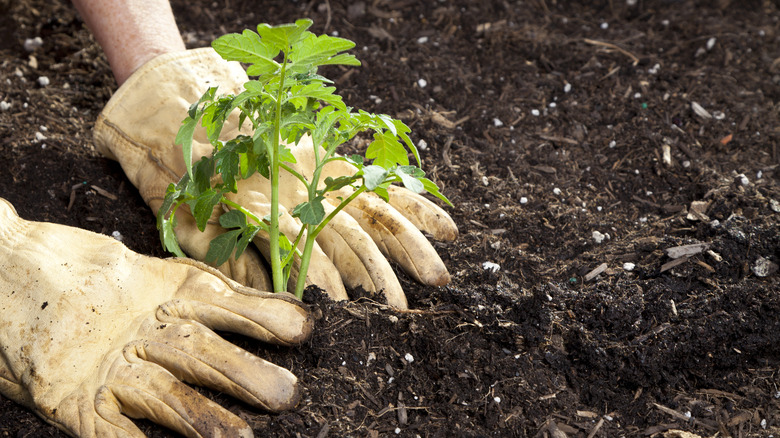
[(534, 168)]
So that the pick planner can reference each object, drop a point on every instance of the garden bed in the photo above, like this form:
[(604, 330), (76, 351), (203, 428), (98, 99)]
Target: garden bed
[(580, 142)]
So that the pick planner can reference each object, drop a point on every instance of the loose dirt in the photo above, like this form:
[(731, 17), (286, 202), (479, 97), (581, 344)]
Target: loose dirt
[(579, 142)]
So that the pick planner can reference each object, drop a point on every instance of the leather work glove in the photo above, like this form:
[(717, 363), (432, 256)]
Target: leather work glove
[(138, 127), (92, 333)]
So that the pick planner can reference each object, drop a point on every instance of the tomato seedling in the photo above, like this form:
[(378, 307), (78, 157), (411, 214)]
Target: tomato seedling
[(286, 101)]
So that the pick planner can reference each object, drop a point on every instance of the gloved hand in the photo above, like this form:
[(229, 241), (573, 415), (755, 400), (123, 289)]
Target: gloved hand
[(92, 333), (138, 128)]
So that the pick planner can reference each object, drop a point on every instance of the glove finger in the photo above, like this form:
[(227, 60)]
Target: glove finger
[(93, 415), (423, 213), (197, 355), (358, 259), (248, 269), (141, 389), (278, 318), (399, 239)]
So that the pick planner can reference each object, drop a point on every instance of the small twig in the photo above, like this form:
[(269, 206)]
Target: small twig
[(686, 418), (328, 17), (653, 332), (614, 47), (559, 139), (104, 193), (596, 428)]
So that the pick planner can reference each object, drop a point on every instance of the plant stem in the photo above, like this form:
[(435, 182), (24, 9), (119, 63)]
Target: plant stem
[(338, 209), (300, 285), (276, 263), (311, 235), (248, 213)]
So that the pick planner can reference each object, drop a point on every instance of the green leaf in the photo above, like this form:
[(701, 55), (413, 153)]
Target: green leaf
[(313, 51), (342, 59), (386, 151), (409, 177), (233, 219), (204, 207), (249, 233), (285, 248), (282, 37), (214, 116), (221, 247), (433, 189), (248, 47), (286, 155), (260, 142), (323, 124), (227, 160), (202, 172), (403, 132), (382, 192), (317, 91), (373, 176), (311, 212), (170, 242), (412, 171), (333, 184), (188, 125), (184, 138), (355, 160), (388, 122), (304, 120)]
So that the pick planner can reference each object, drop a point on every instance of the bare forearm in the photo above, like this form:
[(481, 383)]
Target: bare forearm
[(131, 32)]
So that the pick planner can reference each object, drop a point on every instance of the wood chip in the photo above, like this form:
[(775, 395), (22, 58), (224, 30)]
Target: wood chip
[(554, 430), (686, 250), (587, 414), (676, 433), (545, 169), (324, 431), (667, 154), (740, 418), (700, 111), (440, 120), (594, 273), (402, 414), (696, 211), (676, 262)]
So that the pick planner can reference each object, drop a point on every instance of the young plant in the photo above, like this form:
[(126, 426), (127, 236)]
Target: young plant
[(287, 100)]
